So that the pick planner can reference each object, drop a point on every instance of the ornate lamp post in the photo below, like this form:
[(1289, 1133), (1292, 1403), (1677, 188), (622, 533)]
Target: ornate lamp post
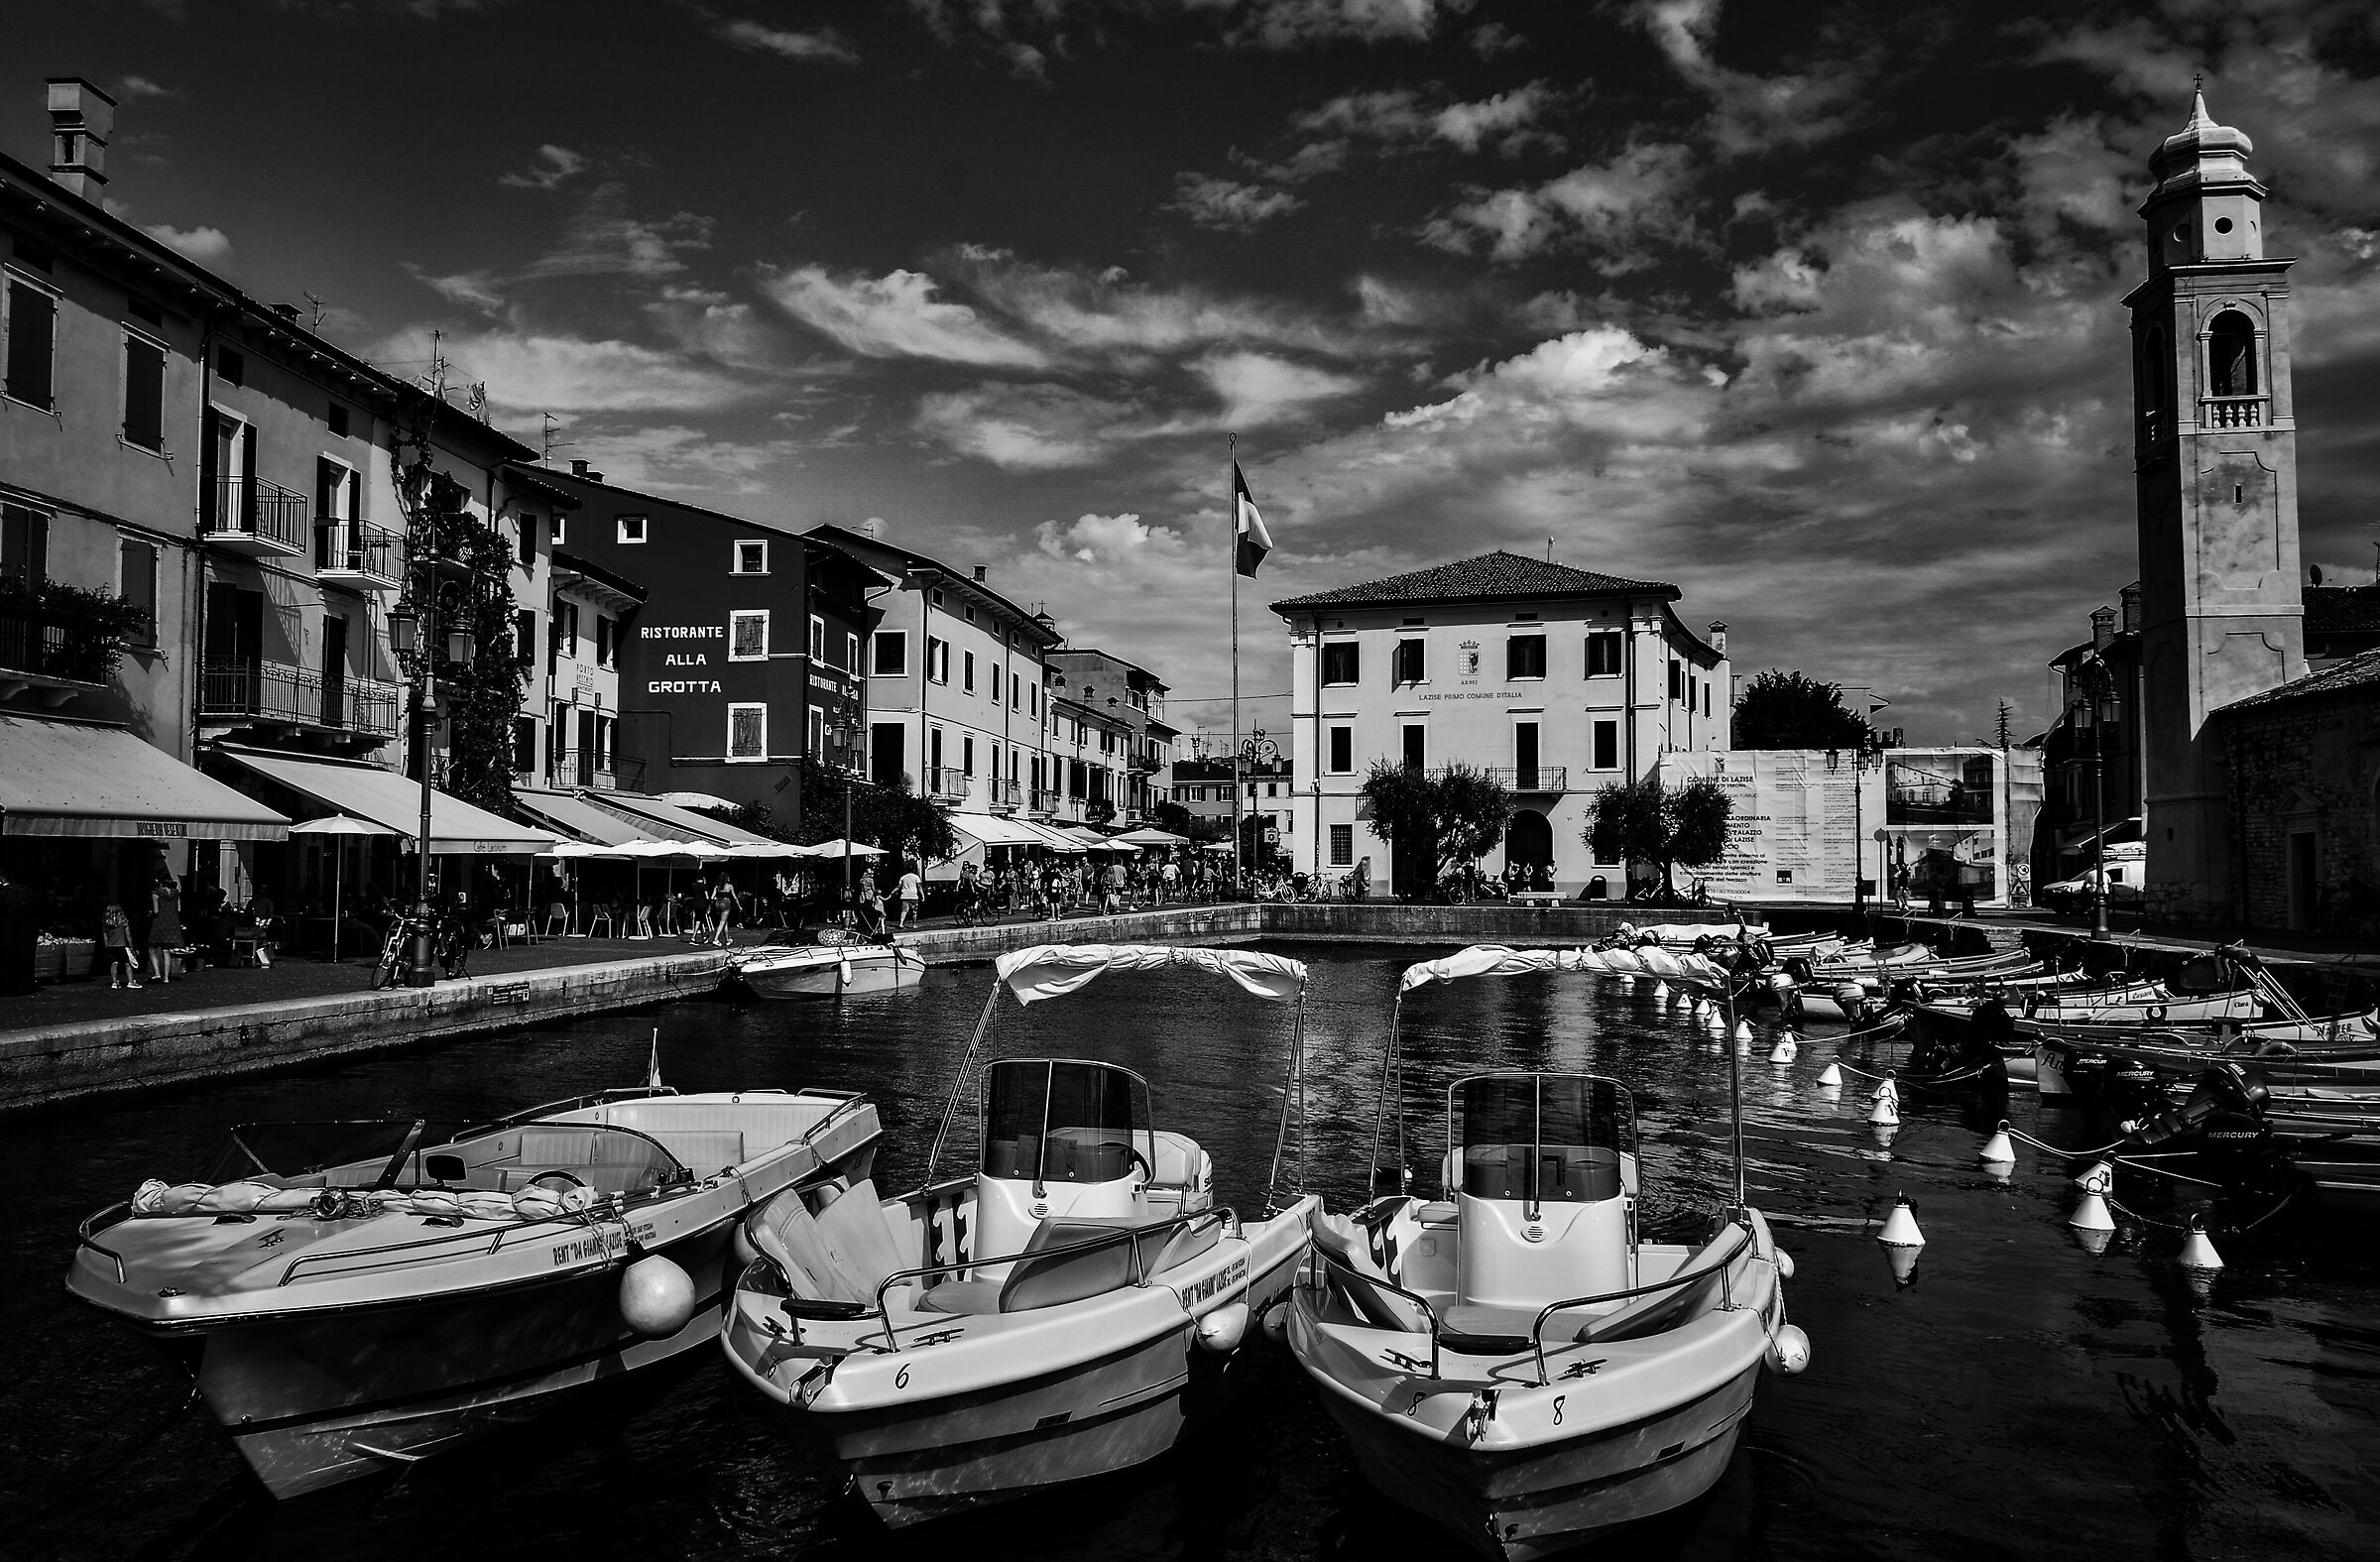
[(412, 633)]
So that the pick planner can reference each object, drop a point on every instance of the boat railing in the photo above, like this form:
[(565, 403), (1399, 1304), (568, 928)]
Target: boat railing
[(1429, 1312), (593, 1218), (1222, 1214), (1693, 1276), (84, 1238)]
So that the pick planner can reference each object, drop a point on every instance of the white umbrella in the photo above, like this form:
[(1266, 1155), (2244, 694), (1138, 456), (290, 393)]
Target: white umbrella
[(1151, 835), (339, 824), (696, 800), (839, 847)]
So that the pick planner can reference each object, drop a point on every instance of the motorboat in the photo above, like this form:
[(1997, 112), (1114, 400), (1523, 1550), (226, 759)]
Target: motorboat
[(353, 1297), (1072, 1306), (827, 969), (1514, 1358)]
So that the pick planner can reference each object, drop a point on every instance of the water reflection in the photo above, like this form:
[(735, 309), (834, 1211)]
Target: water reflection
[(2022, 1398)]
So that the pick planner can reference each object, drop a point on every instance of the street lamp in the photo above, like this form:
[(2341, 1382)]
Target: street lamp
[(2096, 712)]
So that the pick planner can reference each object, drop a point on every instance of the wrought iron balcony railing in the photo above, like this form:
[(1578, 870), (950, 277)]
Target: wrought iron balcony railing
[(945, 781), (246, 510), (277, 691), (1531, 778), (360, 549)]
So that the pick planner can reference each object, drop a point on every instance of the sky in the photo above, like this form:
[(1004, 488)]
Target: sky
[(1812, 310)]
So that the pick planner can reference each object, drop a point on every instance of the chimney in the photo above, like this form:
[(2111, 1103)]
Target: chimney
[(2103, 628), (1718, 637), (980, 571), (578, 468), (2131, 601), (288, 312), (81, 118), (873, 529)]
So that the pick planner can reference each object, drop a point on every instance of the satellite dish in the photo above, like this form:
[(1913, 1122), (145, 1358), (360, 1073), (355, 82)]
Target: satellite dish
[(2316, 571)]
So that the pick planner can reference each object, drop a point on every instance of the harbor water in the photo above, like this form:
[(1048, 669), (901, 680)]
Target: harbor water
[(2017, 1397)]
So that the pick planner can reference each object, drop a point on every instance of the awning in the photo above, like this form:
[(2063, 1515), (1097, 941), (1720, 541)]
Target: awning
[(389, 799), (680, 824), (572, 815), (66, 778), (990, 829), (1056, 840)]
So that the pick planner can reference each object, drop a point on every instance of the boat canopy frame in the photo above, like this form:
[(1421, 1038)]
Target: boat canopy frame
[(1622, 1113)]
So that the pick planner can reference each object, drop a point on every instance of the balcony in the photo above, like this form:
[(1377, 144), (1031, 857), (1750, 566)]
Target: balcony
[(1527, 778), (1004, 793), (2232, 412), (1146, 759), (247, 692), (356, 553), (42, 650), (250, 515), (946, 781), (582, 768), (1043, 802)]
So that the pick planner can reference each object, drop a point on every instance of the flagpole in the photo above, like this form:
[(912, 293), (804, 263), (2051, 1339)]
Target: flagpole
[(1232, 563)]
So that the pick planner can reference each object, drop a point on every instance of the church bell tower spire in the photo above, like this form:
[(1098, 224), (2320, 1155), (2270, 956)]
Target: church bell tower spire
[(2214, 445)]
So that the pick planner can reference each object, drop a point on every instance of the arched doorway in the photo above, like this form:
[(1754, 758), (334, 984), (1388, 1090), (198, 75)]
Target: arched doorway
[(1529, 844)]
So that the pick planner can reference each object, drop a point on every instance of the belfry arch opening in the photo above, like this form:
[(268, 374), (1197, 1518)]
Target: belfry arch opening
[(2231, 354)]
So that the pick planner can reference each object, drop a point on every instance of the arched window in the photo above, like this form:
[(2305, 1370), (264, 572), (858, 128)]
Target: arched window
[(2152, 390), (2231, 354)]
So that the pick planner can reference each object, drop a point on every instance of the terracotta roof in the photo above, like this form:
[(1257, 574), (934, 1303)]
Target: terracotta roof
[(2356, 673), (2343, 610), (1492, 577)]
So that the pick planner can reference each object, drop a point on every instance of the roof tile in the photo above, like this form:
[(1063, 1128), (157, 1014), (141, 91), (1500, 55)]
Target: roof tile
[(1491, 577)]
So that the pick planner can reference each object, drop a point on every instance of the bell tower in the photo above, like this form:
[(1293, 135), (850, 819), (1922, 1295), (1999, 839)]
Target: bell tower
[(2215, 447)]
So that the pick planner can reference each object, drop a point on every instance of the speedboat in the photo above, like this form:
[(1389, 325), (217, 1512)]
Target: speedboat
[(1071, 1306), (1512, 1358), (344, 1313), (827, 969)]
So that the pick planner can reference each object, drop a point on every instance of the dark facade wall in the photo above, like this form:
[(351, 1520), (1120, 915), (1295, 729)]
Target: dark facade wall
[(2308, 766), (679, 677)]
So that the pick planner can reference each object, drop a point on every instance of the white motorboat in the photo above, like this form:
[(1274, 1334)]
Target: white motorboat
[(1513, 1358), (827, 970), (342, 1314), (1073, 1306)]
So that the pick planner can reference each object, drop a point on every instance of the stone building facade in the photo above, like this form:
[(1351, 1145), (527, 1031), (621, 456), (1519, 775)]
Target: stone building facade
[(2303, 764)]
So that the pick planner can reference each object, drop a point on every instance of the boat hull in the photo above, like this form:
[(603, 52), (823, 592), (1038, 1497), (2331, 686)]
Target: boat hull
[(1526, 1504), (851, 970)]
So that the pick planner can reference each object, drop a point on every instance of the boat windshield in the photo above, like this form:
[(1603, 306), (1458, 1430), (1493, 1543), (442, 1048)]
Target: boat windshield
[(1541, 1137), (1063, 1121), (295, 1150)]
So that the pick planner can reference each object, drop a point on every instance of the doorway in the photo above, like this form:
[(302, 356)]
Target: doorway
[(1529, 848), (2301, 897)]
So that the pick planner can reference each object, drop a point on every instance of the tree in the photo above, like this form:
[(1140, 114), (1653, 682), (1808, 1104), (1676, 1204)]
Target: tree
[(1454, 815), (1644, 822), (1171, 815), (1788, 710)]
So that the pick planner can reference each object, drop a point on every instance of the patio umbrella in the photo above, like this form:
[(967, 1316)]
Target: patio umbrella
[(696, 800), (839, 847), (1151, 835), (337, 825)]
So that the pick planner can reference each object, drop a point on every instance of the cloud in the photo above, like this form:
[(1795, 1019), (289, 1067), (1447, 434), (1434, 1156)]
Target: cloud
[(478, 290), (1402, 117), (1490, 38), (1228, 204), (1621, 210), (539, 372), (826, 44), (142, 86), (1751, 113), (900, 314), (1296, 24), (1098, 539), (549, 167), (604, 239), (1029, 428), (680, 458), (1257, 389), (207, 246)]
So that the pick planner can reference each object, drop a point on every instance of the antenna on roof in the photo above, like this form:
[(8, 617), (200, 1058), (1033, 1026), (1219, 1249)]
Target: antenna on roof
[(314, 299), (551, 444)]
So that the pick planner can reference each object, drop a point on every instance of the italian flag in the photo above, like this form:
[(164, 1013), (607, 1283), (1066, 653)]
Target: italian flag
[(1255, 541)]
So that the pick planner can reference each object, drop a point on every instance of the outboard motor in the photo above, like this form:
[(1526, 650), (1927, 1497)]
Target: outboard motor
[(2222, 1115)]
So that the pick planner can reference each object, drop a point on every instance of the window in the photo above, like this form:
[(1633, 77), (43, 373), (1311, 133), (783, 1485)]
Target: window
[(632, 528), (892, 654), (994, 682), (338, 496), (1603, 654), (851, 652), (1606, 745), (1343, 751), (967, 753), (336, 417), (230, 367), (1705, 699), (524, 640), (752, 557), (2231, 354), (1410, 666), (144, 391), (558, 527), (1524, 657), (747, 636), (525, 745), (136, 583), (527, 527), (747, 733), (937, 659), (817, 638), (1676, 682), (1272, 788), (563, 639), (23, 546), (606, 641), (969, 669), (1342, 846), (1416, 744), (1342, 661), (818, 739), (607, 732), (32, 327)]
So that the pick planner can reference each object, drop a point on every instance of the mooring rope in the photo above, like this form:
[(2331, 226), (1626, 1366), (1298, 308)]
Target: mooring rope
[(2023, 1137)]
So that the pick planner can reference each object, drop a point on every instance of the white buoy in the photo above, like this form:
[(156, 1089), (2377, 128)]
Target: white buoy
[(2093, 1243), (1788, 1351), (1222, 1330), (2091, 1213), (656, 1297), (1744, 1030), (1830, 1077), (1660, 992), (1900, 1227), (1784, 1263), (2197, 1249), (1786, 1050), (2000, 1149), (2099, 1173), (1275, 1323), (1886, 1111)]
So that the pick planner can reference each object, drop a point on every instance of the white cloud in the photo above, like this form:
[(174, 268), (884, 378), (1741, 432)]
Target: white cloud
[(1029, 427), (604, 238), (1620, 211), (1751, 113), (539, 372), (1402, 117), (678, 458), (207, 246), (826, 44), (478, 290), (549, 168), (1226, 203), (900, 314), (1257, 389), (1098, 539), (142, 86), (1293, 24)]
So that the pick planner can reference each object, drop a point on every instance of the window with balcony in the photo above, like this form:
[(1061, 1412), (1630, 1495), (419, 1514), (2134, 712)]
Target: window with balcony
[(144, 391), (30, 323), (1342, 846), (1603, 654), (2231, 354), (1343, 751), (747, 733), (752, 557), (23, 547), (632, 528), (892, 654), (1524, 657), (1408, 666), (747, 636), (1342, 661)]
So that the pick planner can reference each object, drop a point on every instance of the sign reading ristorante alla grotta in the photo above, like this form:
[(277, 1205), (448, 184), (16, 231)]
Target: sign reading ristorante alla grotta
[(688, 657)]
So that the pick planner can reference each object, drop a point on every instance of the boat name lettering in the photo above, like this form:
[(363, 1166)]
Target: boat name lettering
[(600, 1243), (1221, 1280)]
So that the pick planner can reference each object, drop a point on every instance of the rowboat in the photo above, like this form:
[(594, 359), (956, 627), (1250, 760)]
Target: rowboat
[(342, 1314), (826, 970), (1071, 1307), (1511, 1358)]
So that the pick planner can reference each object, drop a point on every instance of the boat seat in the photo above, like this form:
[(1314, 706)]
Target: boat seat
[(1477, 1329), (1352, 1276), (601, 1177), (841, 1252), (1649, 1315), (1038, 1281), (704, 1152)]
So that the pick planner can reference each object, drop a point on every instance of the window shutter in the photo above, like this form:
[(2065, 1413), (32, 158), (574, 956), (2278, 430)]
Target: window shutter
[(32, 332), (248, 476), (210, 430), (144, 394)]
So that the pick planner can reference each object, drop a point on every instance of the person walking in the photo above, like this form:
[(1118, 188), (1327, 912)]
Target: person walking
[(165, 925), (1169, 878), (1362, 879), (909, 893), (115, 936), (723, 905), (1111, 901)]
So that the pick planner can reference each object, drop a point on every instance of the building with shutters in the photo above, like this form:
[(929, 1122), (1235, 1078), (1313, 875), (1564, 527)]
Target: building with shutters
[(1557, 681), (1111, 734)]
